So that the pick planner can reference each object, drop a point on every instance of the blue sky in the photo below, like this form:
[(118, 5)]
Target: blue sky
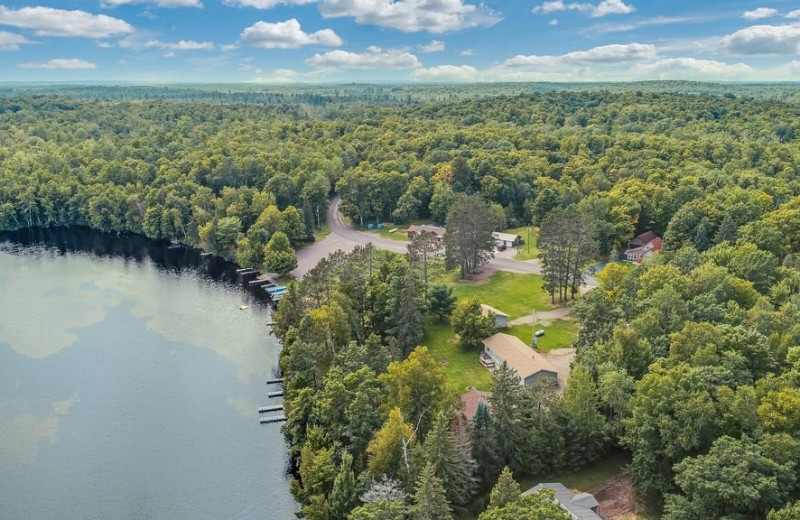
[(302, 41)]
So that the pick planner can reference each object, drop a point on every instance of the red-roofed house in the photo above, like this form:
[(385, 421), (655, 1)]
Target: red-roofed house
[(471, 400), (644, 247)]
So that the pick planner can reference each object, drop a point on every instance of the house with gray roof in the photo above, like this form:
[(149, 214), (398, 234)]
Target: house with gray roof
[(582, 506)]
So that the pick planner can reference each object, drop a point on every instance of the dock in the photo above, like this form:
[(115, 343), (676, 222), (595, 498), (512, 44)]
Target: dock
[(277, 393), (273, 408), (259, 283), (272, 419), (275, 381)]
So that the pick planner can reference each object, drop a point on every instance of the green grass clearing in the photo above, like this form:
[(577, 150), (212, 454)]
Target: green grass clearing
[(587, 478), (529, 250), (513, 293), (557, 334), (462, 367), (322, 232)]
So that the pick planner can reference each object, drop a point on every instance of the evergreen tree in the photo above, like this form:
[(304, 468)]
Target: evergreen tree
[(430, 501), (468, 242), (701, 241), (506, 490), (483, 444), (441, 301), (507, 428), (344, 495), (424, 254), (727, 231), (408, 328), (441, 451)]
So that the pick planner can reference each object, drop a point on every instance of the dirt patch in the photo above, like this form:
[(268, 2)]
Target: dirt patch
[(561, 359), (616, 499)]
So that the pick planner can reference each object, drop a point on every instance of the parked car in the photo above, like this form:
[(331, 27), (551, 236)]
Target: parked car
[(540, 333)]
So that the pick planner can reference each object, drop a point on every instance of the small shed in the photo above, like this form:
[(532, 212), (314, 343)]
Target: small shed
[(500, 317), (437, 231), (506, 239)]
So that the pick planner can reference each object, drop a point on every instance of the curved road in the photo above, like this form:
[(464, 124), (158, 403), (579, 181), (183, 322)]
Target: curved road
[(346, 238)]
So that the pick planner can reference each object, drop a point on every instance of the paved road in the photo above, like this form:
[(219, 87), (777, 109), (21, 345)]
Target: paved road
[(346, 238)]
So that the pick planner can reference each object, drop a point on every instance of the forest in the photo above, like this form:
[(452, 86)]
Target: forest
[(690, 363)]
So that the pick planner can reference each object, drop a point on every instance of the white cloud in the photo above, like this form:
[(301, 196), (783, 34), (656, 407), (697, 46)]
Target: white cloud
[(278, 76), (459, 73), (760, 13), (691, 68), (553, 22), (228, 47), (265, 4), (764, 39), (606, 54), (793, 14), (287, 35), (71, 64), (11, 42), (46, 21), (433, 46), (612, 7), (159, 3), (434, 16), (604, 8), (373, 58), (181, 45), (467, 52)]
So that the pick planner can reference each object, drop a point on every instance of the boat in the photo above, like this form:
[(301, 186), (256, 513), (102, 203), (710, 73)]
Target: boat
[(243, 307)]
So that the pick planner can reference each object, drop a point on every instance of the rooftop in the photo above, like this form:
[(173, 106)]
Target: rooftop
[(505, 237), (486, 309), (472, 399), (580, 505), (436, 230), (519, 356)]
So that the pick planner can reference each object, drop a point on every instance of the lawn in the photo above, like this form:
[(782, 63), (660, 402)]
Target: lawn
[(587, 478), (399, 235), (513, 293), (528, 250), (463, 368), (557, 334), (320, 233)]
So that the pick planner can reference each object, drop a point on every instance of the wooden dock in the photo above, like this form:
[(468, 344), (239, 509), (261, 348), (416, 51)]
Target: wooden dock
[(273, 408), (275, 381), (277, 393), (272, 419)]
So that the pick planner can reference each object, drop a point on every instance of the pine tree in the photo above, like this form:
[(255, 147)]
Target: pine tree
[(441, 301), (408, 329), (507, 428), (506, 490), (483, 444), (441, 451), (701, 241), (344, 494), (727, 231), (430, 502)]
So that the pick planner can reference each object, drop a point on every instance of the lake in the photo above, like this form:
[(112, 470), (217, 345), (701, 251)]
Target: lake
[(130, 382)]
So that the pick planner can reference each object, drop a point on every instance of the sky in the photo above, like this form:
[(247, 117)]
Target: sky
[(334, 41)]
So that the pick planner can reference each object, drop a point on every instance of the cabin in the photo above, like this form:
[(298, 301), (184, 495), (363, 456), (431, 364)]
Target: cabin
[(644, 247), (506, 240), (580, 506), (529, 365), (500, 317), (438, 231)]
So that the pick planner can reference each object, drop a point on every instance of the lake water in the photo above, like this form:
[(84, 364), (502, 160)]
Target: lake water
[(129, 385)]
